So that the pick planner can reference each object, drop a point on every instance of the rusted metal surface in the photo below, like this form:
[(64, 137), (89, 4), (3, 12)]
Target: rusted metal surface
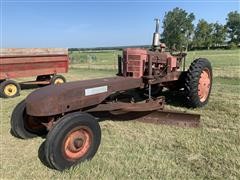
[(172, 76), (49, 124), (180, 119), (72, 96), (76, 95), (78, 142), (148, 105), (134, 62), (175, 118), (19, 63)]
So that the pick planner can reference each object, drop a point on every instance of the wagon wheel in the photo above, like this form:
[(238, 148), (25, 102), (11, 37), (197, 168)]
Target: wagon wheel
[(73, 139), (58, 79), (198, 82), (24, 126), (9, 89)]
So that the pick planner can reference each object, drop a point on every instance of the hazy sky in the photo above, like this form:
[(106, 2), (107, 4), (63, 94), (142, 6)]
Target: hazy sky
[(94, 23)]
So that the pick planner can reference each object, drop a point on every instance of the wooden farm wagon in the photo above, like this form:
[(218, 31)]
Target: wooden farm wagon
[(43, 63)]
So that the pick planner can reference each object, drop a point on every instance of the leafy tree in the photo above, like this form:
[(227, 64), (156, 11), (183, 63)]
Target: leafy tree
[(203, 34), (233, 26), (178, 27), (219, 34)]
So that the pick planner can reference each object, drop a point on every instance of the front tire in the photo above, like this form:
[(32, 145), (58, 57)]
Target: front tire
[(24, 126), (198, 83), (73, 139)]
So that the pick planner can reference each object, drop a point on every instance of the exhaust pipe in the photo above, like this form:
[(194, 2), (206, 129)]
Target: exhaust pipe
[(156, 35)]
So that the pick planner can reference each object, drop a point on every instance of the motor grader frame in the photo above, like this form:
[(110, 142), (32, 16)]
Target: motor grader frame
[(68, 114)]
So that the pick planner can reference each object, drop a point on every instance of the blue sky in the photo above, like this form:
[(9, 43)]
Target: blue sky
[(94, 23)]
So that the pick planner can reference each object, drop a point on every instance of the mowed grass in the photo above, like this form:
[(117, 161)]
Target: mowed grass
[(135, 150)]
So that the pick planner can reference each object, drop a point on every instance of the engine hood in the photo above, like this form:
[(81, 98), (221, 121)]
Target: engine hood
[(58, 99)]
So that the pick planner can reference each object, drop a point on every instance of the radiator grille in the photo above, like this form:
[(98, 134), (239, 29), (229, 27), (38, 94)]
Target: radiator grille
[(134, 57)]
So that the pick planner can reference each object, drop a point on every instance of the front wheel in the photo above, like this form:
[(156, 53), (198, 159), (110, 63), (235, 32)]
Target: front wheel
[(24, 126), (73, 139), (198, 82)]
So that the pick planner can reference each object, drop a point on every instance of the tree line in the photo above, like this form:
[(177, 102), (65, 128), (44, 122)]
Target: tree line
[(179, 31)]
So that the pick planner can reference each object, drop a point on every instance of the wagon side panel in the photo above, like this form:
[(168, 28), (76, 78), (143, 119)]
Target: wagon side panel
[(26, 66)]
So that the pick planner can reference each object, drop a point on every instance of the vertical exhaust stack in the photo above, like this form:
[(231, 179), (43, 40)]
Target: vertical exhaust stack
[(156, 35)]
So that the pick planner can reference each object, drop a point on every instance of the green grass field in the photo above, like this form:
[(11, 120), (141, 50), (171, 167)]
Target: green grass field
[(134, 150)]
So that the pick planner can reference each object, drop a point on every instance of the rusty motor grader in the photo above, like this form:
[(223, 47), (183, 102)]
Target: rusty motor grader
[(68, 114)]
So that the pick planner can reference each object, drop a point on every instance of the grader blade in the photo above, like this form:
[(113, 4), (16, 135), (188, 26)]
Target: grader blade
[(180, 119)]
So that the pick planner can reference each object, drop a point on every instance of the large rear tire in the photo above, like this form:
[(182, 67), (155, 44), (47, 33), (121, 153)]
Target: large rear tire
[(198, 83), (73, 139), (24, 126)]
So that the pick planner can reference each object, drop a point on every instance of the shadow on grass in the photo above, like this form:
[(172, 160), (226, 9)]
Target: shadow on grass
[(119, 115), (28, 86), (175, 98), (41, 152)]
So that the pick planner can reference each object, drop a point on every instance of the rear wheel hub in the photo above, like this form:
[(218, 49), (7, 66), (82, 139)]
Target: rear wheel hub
[(58, 81), (204, 85)]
